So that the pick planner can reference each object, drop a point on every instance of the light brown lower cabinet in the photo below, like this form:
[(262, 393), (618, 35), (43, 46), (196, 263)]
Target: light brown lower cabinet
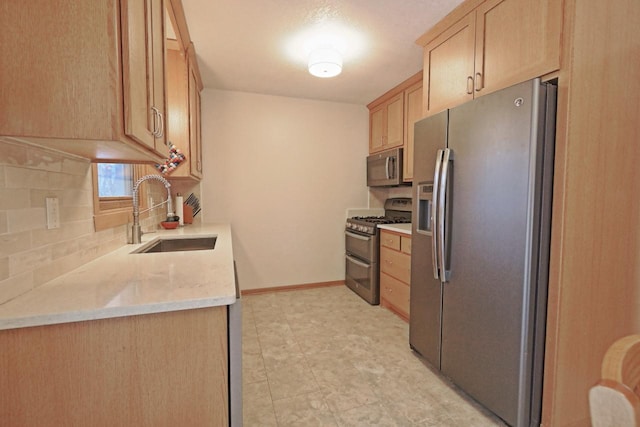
[(395, 272), (165, 369)]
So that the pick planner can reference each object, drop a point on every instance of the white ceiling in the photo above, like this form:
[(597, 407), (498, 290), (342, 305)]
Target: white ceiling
[(246, 45)]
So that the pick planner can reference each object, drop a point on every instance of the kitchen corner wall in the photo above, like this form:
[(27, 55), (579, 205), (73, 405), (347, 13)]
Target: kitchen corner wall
[(283, 171), (30, 254)]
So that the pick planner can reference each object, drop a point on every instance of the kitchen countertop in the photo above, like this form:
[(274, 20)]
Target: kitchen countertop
[(124, 284), (398, 228)]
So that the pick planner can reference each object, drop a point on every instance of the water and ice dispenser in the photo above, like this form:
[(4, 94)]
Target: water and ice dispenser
[(425, 204)]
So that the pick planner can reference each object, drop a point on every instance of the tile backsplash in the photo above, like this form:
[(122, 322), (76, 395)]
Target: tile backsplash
[(31, 254)]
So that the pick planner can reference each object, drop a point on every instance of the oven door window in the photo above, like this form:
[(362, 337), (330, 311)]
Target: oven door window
[(359, 272)]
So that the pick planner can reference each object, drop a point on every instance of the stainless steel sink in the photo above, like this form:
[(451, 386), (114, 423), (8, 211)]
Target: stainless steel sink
[(177, 245)]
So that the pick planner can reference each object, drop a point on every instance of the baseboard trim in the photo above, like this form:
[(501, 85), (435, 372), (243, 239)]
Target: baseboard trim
[(259, 291)]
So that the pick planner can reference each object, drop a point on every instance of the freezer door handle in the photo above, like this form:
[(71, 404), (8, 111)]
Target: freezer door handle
[(434, 216), (442, 192)]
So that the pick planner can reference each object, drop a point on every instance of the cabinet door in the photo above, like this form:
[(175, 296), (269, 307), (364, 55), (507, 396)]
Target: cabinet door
[(158, 69), (395, 122), (195, 143), (395, 293), (412, 112), (390, 240), (395, 264), (449, 66), (516, 40), (140, 121), (177, 129), (376, 129), (143, 64)]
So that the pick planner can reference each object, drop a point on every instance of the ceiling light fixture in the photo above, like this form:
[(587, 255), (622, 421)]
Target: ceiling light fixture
[(325, 62)]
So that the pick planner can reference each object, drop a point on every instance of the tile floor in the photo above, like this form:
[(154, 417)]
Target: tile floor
[(324, 357)]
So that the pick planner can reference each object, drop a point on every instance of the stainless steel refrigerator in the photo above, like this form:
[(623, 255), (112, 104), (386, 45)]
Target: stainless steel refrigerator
[(482, 188)]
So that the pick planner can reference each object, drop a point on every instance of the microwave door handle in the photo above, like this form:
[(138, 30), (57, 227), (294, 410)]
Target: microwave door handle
[(434, 216), (386, 168), (394, 162), (447, 158)]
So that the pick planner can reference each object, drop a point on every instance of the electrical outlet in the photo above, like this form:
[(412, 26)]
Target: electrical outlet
[(53, 213)]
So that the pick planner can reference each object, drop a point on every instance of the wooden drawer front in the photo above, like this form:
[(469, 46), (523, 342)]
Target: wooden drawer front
[(390, 240), (405, 244), (395, 264), (395, 292)]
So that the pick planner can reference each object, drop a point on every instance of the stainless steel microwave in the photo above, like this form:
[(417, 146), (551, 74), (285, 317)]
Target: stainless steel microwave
[(384, 169)]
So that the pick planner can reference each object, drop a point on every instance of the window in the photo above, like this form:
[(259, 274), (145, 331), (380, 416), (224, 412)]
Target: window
[(113, 193), (115, 180)]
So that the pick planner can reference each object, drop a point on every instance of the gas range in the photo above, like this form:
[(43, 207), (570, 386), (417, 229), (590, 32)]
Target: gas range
[(396, 211), (368, 224), (362, 247)]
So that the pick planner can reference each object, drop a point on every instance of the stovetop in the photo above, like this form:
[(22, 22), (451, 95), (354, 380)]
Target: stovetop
[(397, 211), (381, 219)]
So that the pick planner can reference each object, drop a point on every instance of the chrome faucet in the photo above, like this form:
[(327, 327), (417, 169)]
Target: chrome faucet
[(136, 230)]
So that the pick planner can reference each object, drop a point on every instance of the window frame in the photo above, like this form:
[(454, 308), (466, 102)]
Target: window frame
[(111, 212)]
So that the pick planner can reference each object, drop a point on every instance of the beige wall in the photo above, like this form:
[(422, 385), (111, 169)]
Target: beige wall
[(283, 171), (31, 255)]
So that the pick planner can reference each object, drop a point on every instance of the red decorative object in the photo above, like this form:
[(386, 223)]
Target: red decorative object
[(169, 225)]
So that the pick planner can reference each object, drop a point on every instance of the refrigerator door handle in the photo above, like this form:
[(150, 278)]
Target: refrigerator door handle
[(442, 192), (434, 216)]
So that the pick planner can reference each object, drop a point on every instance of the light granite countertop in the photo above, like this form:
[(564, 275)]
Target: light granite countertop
[(398, 228), (123, 284)]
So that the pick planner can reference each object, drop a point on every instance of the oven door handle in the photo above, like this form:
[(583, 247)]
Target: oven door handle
[(357, 262), (357, 236)]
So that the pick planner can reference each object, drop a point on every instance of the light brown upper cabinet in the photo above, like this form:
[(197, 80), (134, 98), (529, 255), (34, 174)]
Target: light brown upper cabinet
[(412, 112), (387, 124), (495, 45), (391, 119), (195, 123), (84, 77), (143, 60), (183, 99)]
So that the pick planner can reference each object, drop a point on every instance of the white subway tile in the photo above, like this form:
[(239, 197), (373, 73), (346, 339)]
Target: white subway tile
[(44, 160), (26, 219), (29, 260), (15, 286), (12, 243), (76, 167), (18, 177), (14, 198)]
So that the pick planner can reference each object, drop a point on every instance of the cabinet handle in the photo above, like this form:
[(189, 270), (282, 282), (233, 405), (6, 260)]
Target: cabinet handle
[(479, 82), (469, 85), (155, 121), (160, 124), (156, 113)]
